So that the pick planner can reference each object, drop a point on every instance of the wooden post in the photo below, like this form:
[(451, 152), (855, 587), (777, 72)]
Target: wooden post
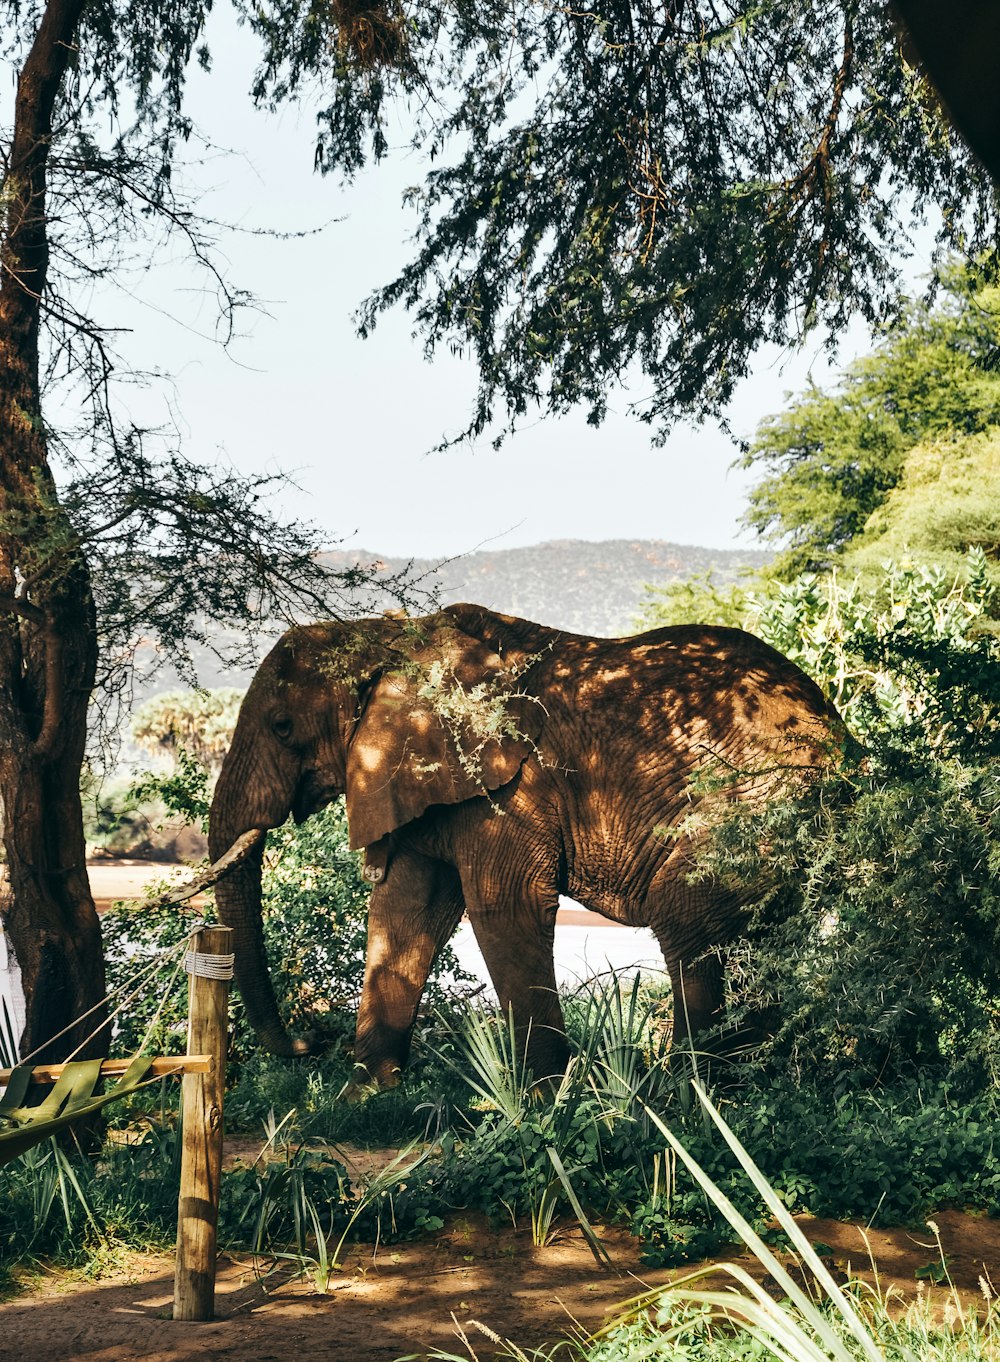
[(201, 1131)]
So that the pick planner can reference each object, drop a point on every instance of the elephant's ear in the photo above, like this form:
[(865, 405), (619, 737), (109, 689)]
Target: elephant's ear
[(451, 721)]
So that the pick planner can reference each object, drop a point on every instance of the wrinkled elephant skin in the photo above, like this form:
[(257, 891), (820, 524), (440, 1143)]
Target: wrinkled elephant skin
[(490, 765)]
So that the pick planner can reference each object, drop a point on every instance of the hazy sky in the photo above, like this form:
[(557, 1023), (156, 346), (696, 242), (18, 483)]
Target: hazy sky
[(352, 419)]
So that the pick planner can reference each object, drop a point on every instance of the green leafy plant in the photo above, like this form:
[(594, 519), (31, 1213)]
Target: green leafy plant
[(299, 1209), (800, 1313), (836, 463), (314, 909), (873, 943), (797, 1327), (573, 1147)]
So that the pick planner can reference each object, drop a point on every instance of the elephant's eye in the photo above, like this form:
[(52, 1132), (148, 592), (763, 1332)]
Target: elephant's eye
[(281, 727)]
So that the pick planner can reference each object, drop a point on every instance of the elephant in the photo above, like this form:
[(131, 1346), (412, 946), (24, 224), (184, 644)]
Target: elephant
[(491, 765)]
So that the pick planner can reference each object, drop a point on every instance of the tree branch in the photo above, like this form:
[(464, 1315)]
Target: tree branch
[(23, 608), (236, 855)]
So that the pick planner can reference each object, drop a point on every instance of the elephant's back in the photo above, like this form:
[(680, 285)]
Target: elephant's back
[(686, 686)]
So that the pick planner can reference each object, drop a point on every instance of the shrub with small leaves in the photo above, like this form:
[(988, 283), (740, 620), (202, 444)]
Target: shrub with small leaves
[(314, 908)]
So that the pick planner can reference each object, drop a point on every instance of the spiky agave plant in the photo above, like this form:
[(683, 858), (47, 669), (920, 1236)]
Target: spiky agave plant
[(603, 1084)]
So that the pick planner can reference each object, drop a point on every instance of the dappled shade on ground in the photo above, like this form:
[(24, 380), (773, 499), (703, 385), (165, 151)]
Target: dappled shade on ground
[(400, 1300)]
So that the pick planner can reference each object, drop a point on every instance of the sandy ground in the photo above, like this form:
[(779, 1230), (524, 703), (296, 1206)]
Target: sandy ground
[(112, 880), (400, 1299)]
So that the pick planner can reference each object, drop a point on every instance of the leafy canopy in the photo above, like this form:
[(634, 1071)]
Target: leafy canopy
[(944, 504), (662, 188), (633, 186)]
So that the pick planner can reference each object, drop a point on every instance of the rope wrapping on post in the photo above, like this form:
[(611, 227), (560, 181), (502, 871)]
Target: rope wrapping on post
[(209, 966)]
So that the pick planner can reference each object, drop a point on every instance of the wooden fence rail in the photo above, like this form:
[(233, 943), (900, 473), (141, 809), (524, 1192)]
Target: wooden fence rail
[(203, 1080), (164, 1066)]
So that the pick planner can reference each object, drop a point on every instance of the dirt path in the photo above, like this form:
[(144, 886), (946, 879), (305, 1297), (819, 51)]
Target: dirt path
[(399, 1300)]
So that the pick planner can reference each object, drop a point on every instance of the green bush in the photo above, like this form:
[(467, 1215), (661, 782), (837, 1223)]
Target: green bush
[(886, 1155), (876, 948), (875, 945), (314, 908)]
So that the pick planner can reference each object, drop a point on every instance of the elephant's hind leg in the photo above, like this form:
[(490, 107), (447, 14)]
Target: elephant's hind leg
[(690, 920), (698, 995), (518, 951), (411, 916)]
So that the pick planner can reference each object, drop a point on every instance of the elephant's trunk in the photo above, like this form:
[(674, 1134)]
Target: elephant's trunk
[(238, 899)]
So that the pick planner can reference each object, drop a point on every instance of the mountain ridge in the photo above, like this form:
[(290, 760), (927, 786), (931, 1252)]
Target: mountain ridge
[(583, 585)]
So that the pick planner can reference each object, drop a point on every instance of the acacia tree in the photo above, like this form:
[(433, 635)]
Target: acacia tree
[(632, 184), (135, 542)]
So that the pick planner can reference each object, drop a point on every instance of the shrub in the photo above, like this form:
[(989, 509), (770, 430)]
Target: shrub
[(314, 906), (874, 944)]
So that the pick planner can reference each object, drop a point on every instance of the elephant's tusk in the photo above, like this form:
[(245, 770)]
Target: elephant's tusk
[(230, 859)]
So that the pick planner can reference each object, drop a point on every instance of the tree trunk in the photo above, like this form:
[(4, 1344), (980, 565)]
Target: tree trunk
[(48, 638)]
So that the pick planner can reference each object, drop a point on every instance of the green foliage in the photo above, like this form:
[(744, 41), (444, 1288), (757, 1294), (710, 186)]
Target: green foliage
[(800, 1313), (563, 246), (885, 1156), (78, 1210), (582, 1145), (148, 815), (558, 242), (184, 791), (698, 599), (876, 938), (833, 459), (675, 1327), (195, 723), (271, 1202), (909, 652), (944, 504), (312, 1088)]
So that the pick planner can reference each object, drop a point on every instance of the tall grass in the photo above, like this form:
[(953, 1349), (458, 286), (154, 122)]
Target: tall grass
[(300, 1208), (557, 1130)]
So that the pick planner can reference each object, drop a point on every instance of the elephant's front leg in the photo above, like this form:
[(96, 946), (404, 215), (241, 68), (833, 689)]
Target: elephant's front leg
[(410, 917)]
